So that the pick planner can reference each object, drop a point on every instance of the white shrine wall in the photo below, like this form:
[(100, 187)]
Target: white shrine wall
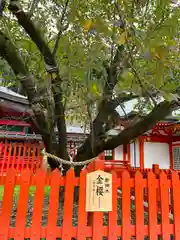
[(118, 153), (134, 154), (156, 153)]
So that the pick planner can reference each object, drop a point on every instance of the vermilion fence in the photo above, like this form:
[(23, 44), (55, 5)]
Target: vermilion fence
[(23, 155), (20, 156), (47, 215)]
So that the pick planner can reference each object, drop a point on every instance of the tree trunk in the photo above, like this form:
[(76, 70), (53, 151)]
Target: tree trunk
[(52, 70)]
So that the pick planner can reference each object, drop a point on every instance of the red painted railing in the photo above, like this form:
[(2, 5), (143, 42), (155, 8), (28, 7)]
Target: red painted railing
[(20, 156), (25, 155)]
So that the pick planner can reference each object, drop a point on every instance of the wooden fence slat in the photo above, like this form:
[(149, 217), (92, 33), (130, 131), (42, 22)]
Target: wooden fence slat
[(22, 205), (152, 203), (33, 146), (113, 215), (14, 155), (176, 207), (53, 205), (38, 204), (68, 205), (139, 208), (164, 198), (39, 157), (28, 154), (7, 204), (126, 215), (97, 231), (9, 156), (82, 214), (96, 218), (18, 163), (24, 156)]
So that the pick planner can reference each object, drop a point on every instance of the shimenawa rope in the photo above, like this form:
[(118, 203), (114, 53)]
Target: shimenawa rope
[(62, 161)]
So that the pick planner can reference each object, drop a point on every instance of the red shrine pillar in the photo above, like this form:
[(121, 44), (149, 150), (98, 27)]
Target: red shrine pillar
[(141, 152), (171, 156)]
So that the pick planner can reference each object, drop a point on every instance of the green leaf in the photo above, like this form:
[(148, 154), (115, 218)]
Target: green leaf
[(95, 90), (122, 39)]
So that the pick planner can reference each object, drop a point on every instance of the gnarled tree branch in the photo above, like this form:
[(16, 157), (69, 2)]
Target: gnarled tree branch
[(9, 53), (138, 128), (51, 67), (125, 136)]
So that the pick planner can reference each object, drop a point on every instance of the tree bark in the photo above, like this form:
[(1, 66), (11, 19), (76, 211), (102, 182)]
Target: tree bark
[(51, 68), (9, 53)]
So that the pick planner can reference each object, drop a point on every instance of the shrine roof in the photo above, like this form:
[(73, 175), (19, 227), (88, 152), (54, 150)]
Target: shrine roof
[(8, 94)]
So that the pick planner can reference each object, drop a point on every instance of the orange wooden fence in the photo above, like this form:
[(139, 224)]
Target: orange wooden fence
[(23, 155), (47, 215), (20, 155)]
